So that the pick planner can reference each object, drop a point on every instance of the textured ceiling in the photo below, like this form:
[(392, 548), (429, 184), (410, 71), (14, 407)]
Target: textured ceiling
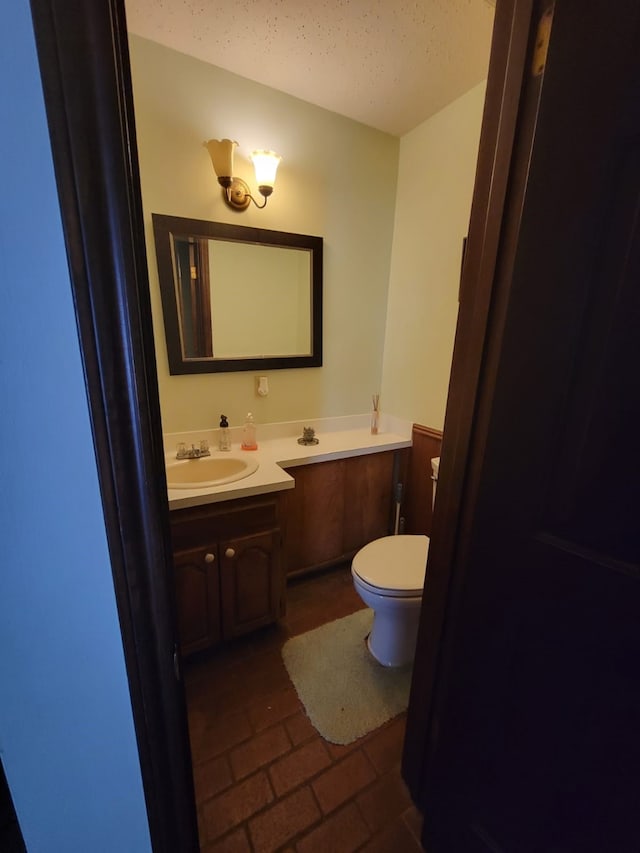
[(387, 63)]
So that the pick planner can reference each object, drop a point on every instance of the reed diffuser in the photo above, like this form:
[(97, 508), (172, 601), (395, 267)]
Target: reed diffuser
[(375, 414)]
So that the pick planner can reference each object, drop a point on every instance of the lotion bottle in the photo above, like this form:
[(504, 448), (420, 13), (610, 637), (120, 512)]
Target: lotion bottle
[(224, 441), (249, 434)]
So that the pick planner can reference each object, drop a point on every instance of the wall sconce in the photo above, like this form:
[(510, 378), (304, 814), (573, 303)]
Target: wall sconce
[(235, 191)]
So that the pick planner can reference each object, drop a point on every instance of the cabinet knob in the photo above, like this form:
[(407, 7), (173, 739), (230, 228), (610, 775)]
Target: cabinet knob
[(209, 558), (230, 552)]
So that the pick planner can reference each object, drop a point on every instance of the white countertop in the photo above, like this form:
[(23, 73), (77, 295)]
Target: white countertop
[(278, 448)]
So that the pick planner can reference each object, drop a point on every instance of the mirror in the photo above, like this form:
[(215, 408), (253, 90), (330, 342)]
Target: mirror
[(238, 298)]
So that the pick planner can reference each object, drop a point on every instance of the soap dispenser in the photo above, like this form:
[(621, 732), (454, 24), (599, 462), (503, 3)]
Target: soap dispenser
[(224, 441), (249, 434)]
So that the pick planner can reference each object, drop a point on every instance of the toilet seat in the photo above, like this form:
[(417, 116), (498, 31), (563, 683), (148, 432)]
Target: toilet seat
[(393, 566)]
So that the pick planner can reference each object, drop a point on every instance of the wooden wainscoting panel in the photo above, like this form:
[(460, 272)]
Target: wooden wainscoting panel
[(417, 502)]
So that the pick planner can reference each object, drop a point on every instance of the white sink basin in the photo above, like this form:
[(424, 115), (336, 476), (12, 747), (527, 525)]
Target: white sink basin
[(209, 471)]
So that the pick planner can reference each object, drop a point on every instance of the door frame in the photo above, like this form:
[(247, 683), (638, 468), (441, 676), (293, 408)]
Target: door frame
[(505, 140), (84, 62)]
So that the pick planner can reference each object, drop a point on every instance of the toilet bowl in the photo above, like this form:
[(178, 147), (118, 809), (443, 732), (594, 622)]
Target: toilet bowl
[(388, 575)]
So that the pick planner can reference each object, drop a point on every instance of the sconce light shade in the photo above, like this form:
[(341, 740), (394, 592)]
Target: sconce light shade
[(266, 165), (221, 153), (235, 191)]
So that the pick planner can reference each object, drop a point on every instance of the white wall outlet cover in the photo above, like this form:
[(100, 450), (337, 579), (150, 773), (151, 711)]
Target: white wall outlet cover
[(263, 386)]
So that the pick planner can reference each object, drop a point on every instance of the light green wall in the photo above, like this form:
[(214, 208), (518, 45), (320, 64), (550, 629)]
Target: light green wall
[(435, 186), (337, 180)]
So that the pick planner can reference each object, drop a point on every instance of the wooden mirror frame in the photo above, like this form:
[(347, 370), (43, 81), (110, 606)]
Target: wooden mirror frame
[(164, 229)]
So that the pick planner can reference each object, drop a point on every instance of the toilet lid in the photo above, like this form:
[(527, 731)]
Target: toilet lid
[(394, 564)]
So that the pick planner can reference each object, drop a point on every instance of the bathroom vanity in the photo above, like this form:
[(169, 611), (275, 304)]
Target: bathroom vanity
[(228, 569), (303, 509)]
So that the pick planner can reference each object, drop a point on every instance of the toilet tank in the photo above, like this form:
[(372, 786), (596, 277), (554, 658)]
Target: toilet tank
[(435, 468)]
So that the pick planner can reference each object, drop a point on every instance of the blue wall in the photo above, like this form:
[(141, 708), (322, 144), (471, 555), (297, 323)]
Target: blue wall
[(66, 731)]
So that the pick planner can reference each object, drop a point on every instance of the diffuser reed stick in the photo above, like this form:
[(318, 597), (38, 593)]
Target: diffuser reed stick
[(375, 414)]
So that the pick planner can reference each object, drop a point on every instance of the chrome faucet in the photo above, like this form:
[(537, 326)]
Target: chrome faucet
[(193, 452)]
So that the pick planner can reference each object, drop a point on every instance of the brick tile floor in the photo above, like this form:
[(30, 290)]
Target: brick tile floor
[(264, 779)]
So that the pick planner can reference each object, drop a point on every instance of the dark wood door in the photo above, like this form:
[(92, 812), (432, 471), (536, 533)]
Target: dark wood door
[(534, 741)]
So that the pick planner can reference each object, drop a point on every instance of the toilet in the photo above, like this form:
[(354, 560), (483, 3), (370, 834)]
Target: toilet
[(388, 575)]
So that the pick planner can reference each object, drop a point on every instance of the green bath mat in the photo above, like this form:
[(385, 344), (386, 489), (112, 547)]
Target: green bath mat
[(345, 692)]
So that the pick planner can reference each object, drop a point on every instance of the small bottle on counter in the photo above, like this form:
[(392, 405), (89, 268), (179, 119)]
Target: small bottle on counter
[(224, 441), (249, 434)]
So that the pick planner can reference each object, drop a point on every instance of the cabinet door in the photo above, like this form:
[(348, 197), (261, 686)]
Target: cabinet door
[(368, 487), (314, 513), (197, 598), (251, 582)]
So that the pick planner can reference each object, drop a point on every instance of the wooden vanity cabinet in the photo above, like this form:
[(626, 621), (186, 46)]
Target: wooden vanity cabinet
[(228, 569), (368, 498), (313, 514), (337, 507)]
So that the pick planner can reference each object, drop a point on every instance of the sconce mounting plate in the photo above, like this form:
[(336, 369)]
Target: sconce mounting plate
[(238, 195)]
